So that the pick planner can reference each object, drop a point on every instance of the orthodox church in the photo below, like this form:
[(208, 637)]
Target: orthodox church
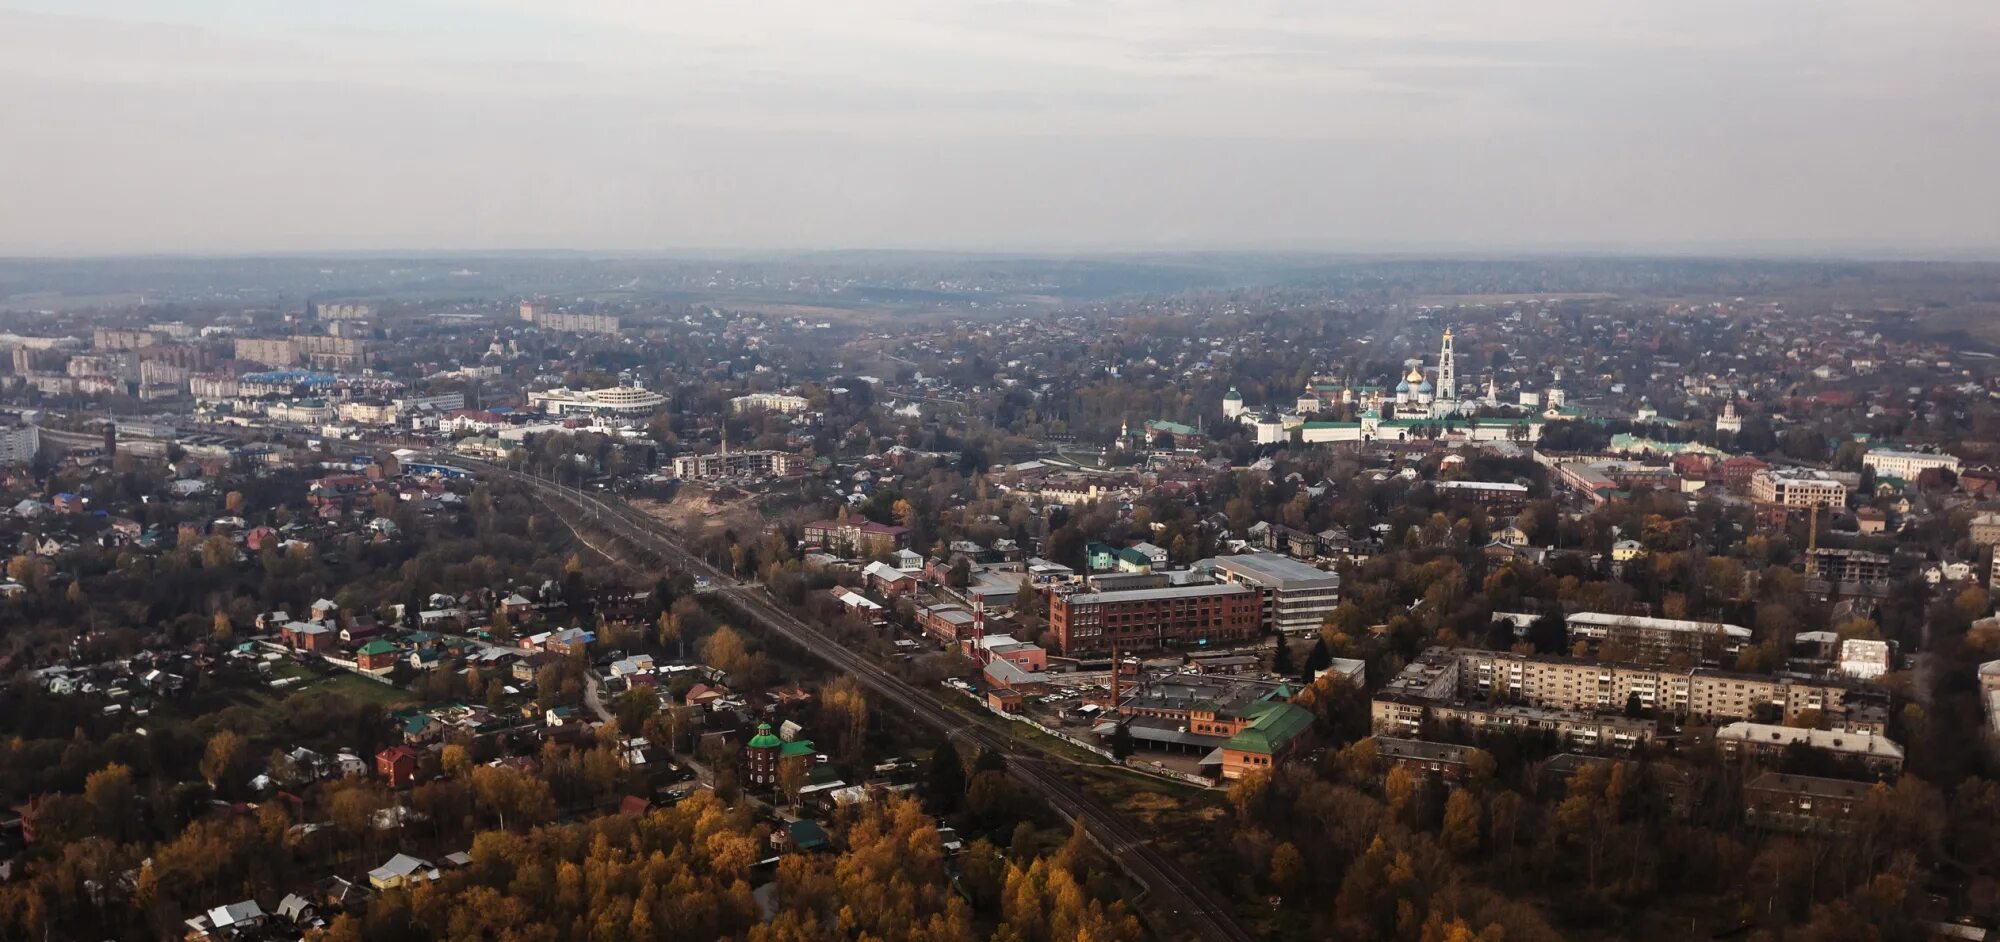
[(1422, 405)]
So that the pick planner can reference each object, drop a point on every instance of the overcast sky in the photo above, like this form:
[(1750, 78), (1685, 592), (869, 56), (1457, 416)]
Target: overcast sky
[(1691, 125)]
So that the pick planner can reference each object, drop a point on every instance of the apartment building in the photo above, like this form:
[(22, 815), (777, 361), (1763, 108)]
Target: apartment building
[(187, 356), (1763, 744), (19, 444), (1798, 488), (1986, 529), (1803, 804), (1570, 684), (1659, 640), (109, 338), (1445, 762), (270, 351), (333, 353), (1404, 716), (343, 310), (1177, 616), (737, 464), (1296, 597), (770, 402), (578, 323)]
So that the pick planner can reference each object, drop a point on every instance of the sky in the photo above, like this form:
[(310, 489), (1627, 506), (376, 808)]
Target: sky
[(1708, 126)]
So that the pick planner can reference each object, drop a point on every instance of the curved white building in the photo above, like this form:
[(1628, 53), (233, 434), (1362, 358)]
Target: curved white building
[(630, 401)]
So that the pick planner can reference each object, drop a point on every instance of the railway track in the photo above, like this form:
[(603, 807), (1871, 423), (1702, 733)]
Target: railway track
[(1180, 906)]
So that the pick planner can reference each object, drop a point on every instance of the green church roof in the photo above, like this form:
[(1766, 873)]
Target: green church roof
[(796, 748), (764, 738)]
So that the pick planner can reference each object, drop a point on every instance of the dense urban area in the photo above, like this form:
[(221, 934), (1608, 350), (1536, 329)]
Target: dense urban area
[(913, 596)]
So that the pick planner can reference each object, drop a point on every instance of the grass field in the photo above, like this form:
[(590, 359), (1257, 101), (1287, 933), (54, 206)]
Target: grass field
[(360, 688)]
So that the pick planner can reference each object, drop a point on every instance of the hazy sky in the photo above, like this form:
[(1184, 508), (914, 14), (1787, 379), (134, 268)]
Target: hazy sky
[(285, 125)]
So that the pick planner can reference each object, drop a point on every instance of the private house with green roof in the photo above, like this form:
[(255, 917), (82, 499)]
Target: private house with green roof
[(377, 657)]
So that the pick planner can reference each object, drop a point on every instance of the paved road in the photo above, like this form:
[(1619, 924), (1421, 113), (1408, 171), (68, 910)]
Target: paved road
[(1188, 907)]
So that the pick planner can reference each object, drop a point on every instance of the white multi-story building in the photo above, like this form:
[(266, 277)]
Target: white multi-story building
[(1864, 658), (579, 323), (1798, 488), (770, 402), (19, 444), (625, 401), (302, 412), (1297, 597), (213, 386), (1908, 464)]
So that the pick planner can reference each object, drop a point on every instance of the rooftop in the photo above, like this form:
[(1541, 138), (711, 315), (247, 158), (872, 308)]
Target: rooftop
[(1151, 595), (1391, 748), (1812, 785), (1644, 623), (1832, 741), (1270, 569)]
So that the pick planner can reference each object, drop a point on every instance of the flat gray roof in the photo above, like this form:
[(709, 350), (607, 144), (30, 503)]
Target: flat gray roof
[(1272, 569)]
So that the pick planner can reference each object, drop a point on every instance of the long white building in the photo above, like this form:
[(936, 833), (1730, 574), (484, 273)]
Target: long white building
[(1908, 464), (625, 401), (770, 402)]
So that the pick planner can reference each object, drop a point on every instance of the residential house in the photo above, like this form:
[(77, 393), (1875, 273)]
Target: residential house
[(401, 872), (308, 636), (227, 922), (889, 581), (378, 657), (859, 605), (398, 765)]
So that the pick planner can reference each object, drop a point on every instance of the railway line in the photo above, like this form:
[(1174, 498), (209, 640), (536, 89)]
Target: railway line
[(1181, 907)]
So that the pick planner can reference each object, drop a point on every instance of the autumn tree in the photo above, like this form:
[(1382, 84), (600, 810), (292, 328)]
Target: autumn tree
[(1288, 868), (843, 713), (222, 760), (1460, 832), (513, 796)]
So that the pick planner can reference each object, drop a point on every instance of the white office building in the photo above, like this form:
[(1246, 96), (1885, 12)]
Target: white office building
[(1297, 597)]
